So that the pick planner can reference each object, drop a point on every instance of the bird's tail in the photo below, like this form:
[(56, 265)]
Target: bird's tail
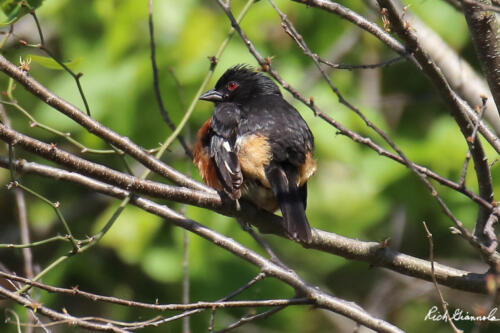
[(292, 202)]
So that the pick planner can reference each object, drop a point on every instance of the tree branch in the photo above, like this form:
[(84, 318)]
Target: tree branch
[(54, 315), (375, 254), (93, 126), (456, 107), (484, 27), (319, 297), (459, 73), (156, 81)]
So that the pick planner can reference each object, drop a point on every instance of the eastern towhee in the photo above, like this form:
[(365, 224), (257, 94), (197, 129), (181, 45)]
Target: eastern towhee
[(256, 146)]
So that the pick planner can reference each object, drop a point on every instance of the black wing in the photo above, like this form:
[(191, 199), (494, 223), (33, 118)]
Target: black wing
[(222, 147), (283, 126)]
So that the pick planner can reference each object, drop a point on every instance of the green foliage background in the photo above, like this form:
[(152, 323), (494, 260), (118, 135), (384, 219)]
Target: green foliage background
[(355, 193)]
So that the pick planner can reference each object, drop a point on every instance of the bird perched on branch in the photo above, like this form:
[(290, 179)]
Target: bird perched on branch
[(256, 146)]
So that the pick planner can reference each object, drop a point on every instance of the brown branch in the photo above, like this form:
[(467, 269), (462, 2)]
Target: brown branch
[(22, 216), (132, 183), (484, 27), (434, 281), (54, 315), (460, 74), (472, 139), (158, 307), (156, 81), (375, 254), (93, 126), (359, 21), (481, 5), (248, 319), (362, 66), (456, 107)]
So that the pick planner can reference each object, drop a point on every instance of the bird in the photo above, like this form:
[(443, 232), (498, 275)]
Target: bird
[(257, 147)]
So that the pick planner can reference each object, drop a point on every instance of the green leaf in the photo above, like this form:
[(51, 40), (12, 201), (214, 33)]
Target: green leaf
[(48, 62), (15, 9)]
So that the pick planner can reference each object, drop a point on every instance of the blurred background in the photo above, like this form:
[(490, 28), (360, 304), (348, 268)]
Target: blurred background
[(355, 192)]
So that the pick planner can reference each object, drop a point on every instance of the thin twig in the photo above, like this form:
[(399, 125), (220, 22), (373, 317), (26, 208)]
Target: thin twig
[(223, 303), (156, 81), (472, 139), (185, 278), (262, 243), (431, 259), (362, 66), (17, 320), (33, 244), (245, 320), (76, 76), (22, 216), (238, 291), (67, 318), (66, 136), (55, 206)]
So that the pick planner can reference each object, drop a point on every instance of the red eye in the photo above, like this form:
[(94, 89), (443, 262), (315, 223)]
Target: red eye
[(232, 85)]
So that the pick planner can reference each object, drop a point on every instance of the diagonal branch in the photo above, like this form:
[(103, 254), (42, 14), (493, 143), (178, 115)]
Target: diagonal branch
[(456, 107), (54, 315), (132, 183), (373, 253), (156, 82), (484, 27), (93, 126), (317, 296), (460, 74), (157, 307)]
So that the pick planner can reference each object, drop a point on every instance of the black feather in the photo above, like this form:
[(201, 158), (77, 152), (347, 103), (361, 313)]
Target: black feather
[(228, 166), (291, 201), (224, 124), (251, 84)]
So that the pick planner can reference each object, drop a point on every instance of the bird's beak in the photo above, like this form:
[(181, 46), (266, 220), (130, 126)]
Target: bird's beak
[(212, 96)]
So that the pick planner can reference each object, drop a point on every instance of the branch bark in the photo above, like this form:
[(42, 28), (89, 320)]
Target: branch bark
[(454, 104), (320, 298), (93, 126), (460, 75), (484, 28), (375, 254)]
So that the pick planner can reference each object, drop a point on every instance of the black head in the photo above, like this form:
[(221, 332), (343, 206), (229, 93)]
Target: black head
[(238, 84)]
